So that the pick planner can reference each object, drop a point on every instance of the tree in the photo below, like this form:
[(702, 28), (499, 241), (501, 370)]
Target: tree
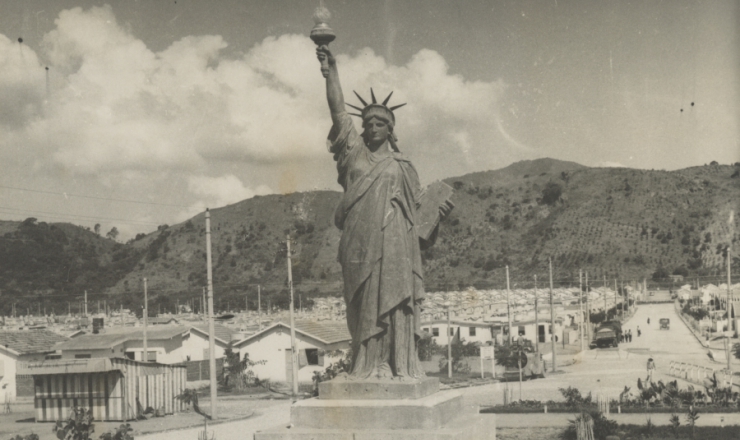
[(237, 372), (97, 228), (551, 194), (112, 234), (660, 274)]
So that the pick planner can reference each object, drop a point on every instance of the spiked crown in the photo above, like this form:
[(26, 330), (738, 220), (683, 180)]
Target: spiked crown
[(374, 108)]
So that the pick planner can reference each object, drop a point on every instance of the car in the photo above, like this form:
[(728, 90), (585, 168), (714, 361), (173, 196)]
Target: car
[(665, 324)]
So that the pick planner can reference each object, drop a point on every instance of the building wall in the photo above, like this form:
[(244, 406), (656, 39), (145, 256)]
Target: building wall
[(272, 348), (531, 333), (483, 335), (7, 382), (168, 351), (116, 351), (196, 345)]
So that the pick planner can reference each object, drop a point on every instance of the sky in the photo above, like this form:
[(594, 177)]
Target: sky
[(139, 113)]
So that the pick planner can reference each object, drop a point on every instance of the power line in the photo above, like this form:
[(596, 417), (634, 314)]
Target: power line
[(60, 215), (38, 191)]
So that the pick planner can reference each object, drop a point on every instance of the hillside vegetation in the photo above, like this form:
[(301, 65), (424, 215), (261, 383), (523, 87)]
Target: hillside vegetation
[(612, 222)]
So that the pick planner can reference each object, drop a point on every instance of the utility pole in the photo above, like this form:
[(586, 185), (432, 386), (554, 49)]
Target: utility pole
[(259, 306), (449, 343), (580, 305), (552, 321), (508, 303), (616, 291), (211, 329), (145, 357), (606, 307), (85, 303), (536, 321), (204, 309), (588, 311), (294, 355), (729, 301)]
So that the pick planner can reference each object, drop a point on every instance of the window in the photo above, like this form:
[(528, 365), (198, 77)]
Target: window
[(521, 330), (471, 331), (426, 329), (131, 355), (51, 357), (312, 356), (83, 356), (435, 331), (152, 356), (452, 331)]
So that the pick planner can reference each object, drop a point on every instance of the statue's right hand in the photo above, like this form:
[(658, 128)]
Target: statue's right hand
[(323, 53)]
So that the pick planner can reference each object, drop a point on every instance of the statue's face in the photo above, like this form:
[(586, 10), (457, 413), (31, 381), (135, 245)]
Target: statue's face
[(376, 131)]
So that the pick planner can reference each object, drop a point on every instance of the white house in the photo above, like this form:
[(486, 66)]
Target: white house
[(319, 343), (166, 344), (22, 346), (470, 331)]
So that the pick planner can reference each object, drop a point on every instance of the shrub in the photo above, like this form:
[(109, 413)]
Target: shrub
[(78, 426), (602, 427)]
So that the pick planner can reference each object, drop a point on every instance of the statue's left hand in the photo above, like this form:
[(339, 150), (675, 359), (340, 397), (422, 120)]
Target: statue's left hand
[(445, 208)]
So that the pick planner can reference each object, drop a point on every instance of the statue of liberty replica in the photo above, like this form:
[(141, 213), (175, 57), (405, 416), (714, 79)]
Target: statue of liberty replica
[(385, 218), (380, 246)]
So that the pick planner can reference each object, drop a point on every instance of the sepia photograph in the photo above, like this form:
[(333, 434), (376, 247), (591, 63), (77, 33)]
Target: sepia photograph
[(369, 219)]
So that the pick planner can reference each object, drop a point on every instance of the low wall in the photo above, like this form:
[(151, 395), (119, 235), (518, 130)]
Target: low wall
[(200, 370)]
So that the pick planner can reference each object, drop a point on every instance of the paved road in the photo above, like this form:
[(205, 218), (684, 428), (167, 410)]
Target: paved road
[(273, 416), (608, 371)]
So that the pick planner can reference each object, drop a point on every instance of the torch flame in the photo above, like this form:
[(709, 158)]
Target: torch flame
[(321, 15)]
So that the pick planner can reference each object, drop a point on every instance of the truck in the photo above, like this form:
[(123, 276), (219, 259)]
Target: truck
[(607, 334)]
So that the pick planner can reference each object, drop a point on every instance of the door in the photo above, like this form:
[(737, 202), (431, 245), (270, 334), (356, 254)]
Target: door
[(541, 333)]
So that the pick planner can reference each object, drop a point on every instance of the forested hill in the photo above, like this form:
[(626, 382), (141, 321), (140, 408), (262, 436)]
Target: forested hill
[(610, 221)]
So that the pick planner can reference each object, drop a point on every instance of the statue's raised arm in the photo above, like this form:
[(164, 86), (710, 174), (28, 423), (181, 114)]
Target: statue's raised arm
[(333, 87)]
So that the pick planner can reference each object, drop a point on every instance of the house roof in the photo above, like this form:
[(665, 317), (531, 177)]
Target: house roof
[(327, 332), (222, 332), (118, 335), (93, 365), (30, 341)]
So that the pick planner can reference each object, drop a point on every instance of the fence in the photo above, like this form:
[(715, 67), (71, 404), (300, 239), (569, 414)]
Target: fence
[(200, 370), (698, 374)]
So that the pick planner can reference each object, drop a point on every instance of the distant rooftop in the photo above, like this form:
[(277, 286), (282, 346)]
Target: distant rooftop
[(30, 341)]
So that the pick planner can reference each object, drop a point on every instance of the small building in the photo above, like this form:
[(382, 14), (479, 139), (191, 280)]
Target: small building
[(22, 346), (525, 328), (166, 344), (113, 388), (319, 343), (470, 331)]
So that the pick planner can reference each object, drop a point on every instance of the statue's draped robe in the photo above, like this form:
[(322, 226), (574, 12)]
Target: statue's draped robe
[(379, 253)]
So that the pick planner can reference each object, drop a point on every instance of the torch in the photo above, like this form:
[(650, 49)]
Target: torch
[(322, 34)]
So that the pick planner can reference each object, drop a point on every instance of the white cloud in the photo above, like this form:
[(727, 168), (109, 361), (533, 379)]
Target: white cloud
[(219, 191), (116, 108)]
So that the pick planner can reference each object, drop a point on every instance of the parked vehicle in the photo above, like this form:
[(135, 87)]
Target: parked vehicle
[(607, 334), (665, 324)]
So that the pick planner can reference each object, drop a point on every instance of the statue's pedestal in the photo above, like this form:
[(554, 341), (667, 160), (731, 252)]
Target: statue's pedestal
[(349, 410)]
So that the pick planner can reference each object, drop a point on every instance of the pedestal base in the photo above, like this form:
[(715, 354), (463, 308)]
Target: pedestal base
[(343, 389), (467, 427), (370, 410)]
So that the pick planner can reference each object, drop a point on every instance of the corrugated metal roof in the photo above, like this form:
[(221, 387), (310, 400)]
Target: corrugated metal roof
[(30, 341)]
